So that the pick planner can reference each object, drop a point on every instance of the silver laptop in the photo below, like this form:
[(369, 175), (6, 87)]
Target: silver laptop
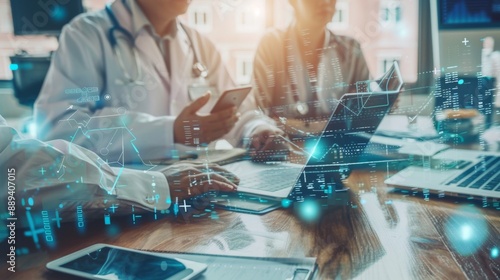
[(461, 173), (330, 157)]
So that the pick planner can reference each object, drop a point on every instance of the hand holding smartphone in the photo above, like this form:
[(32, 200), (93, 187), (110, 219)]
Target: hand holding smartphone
[(230, 98)]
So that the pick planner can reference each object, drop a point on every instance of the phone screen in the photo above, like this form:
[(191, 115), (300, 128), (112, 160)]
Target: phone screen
[(113, 263)]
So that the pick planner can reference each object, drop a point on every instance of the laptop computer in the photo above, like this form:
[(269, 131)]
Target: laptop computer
[(330, 158), (458, 172)]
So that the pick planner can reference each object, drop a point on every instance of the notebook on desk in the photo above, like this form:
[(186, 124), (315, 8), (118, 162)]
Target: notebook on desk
[(329, 160)]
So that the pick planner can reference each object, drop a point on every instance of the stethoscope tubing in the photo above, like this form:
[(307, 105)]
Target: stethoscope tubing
[(117, 27)]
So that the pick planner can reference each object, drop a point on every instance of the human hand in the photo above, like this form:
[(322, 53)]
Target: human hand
[(192, 129), (395, 107), (268, 143), (186, 180)]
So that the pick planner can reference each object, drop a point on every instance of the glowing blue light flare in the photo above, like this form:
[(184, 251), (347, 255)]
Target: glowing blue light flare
[(494, 253), (466, 230), (309, 210), (286, 203)]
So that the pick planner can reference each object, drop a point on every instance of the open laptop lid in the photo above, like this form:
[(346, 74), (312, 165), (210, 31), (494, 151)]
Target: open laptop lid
[(356, 113), (338, 144), (343, 139)]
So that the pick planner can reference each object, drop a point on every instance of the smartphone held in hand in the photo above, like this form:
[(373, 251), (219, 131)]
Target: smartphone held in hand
[(230, 98)]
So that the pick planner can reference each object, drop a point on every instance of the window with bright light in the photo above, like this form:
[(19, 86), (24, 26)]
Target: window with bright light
[(200, 17), (341, 18), (244, 68), (385, 62), (250, 17), (390, 11)]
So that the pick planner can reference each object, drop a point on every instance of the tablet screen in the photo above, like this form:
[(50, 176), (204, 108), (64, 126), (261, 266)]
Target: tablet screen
[(113, 263)]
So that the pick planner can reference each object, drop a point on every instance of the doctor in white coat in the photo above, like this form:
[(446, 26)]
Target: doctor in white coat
[(129, 82)]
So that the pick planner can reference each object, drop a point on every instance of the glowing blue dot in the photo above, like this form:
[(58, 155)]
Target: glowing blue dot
[(313, 148), (31, 202), (309, 211), (61, 205), (14, 67), (494, 253), (466, 232), (153, 184), (313, 151), (168, 200), (22, 202), (59, 14), (286, 203), (461, 82)]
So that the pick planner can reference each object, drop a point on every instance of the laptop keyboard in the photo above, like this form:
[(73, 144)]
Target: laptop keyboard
[(484, 175), (272, 180)]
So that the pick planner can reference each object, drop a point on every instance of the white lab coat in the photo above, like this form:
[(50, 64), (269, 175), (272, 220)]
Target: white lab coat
[(59, 176), (129, 122)]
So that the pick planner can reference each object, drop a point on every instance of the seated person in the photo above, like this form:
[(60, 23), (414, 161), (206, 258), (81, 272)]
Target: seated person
[(129, 82), (58, 175), (300, 72)]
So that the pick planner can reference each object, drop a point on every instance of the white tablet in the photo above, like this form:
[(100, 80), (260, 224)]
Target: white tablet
[(102, 261)]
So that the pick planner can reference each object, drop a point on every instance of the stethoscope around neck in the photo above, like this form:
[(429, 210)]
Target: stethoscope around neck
[(198, 69)]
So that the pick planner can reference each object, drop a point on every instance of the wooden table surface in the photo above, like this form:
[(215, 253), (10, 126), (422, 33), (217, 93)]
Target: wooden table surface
[(383, 234)]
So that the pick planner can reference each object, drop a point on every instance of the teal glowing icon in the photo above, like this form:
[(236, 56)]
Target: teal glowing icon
[(309, 210), (494, 252), (286, 203), (107, 219), (466, 230)]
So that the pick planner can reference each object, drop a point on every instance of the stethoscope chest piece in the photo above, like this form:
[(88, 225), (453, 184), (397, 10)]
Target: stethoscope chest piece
[(199, 70), (302, 108)]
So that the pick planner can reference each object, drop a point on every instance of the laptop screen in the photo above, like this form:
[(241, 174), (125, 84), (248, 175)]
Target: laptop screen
[(357, 113)]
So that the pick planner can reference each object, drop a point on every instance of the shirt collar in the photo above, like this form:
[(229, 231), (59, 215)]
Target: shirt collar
[(326, 42), (140, 21)]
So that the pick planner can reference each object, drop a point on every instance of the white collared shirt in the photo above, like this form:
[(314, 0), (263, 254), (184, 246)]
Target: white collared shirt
[(58, 175)]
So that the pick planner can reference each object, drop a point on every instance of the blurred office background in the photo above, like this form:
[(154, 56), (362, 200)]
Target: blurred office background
[(403, 30), (387, 28)]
